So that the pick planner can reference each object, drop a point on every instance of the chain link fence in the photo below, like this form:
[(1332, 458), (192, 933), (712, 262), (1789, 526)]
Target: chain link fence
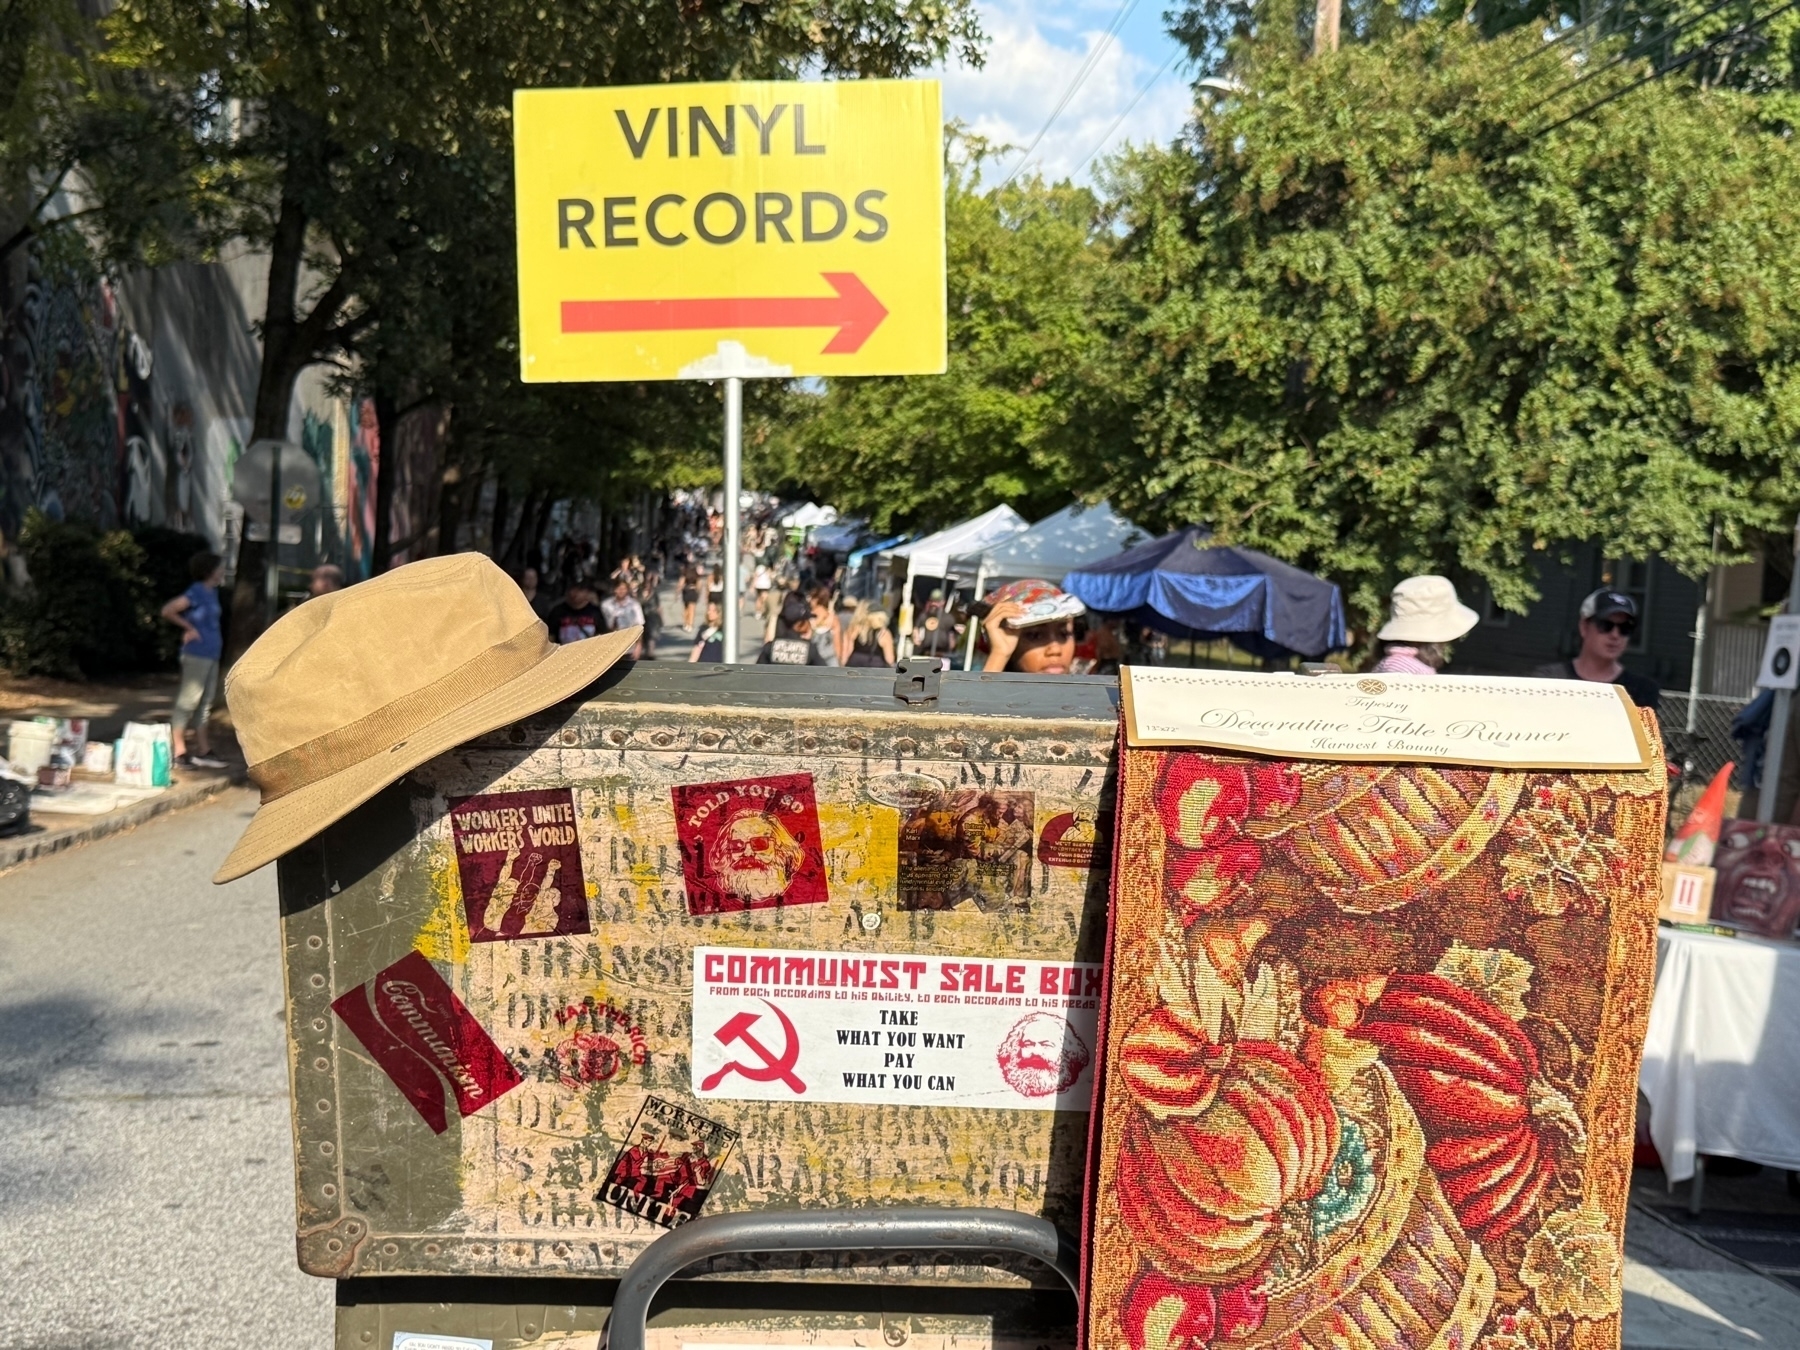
[(1697, 738)]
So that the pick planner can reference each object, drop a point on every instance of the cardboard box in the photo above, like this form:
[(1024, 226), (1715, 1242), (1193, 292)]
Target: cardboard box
[(1687, 893)]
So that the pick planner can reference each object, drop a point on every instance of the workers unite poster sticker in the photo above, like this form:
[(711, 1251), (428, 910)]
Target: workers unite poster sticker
[(687, 231), (519, 861)]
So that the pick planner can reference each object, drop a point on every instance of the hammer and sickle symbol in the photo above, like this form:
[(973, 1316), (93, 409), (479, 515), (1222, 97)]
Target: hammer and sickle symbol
[(774, 1067)]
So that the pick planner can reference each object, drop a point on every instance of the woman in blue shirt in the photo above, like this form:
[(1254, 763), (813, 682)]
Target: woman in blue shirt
[(196, 612)]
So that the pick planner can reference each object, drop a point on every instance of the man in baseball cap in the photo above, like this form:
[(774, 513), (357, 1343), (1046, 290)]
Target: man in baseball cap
[(1608, 619)]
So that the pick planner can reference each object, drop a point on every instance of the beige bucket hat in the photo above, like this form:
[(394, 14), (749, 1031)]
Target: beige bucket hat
[(355, 688), (1425, 609)]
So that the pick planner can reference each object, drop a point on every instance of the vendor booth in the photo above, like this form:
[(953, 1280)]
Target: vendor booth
[(1076, 536), (1079, 535), (815, 1007), (1188, 587), (827, 547), (1721, 1065), (930, 556)]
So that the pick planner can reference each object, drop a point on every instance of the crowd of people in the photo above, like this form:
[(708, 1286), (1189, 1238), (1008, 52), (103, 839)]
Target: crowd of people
[(799, 617)]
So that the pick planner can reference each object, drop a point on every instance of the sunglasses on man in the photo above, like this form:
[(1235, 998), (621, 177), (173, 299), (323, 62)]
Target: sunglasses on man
[(1624, 627)]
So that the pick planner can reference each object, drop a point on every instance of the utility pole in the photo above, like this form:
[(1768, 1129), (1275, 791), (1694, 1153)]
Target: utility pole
[(1778, 717), (1326, 21)]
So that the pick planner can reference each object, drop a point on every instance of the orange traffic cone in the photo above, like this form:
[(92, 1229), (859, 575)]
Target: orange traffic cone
[(1698, 836)]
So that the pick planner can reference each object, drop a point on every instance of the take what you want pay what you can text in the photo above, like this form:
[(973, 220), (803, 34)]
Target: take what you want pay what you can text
[(894, 1029), (802, 223)]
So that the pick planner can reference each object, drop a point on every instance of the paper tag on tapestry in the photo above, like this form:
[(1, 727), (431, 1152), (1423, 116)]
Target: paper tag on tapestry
[(1479, 721)]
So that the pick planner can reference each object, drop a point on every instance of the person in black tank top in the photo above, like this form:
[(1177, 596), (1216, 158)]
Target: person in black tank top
[(871, 644)]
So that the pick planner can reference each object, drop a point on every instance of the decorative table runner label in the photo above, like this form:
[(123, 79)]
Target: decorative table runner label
[(1501, 723), (894, 1029)]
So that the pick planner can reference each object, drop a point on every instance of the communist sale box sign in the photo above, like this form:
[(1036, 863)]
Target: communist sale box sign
[(686, 231)]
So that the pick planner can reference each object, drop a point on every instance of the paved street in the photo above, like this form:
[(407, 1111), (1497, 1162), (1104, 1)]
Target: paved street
[(145, 1183), (146, 1192)]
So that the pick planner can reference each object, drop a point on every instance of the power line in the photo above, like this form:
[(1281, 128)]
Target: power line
[(1632, 50), (1748, 26), (1135, 100), (1081, 74), (1566, 34)]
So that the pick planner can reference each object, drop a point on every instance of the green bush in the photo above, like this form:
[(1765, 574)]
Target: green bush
[(90, 609)]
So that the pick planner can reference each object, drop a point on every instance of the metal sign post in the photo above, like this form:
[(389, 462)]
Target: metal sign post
[(730, 231), (1776, 745), (734, 474), (272, 582)]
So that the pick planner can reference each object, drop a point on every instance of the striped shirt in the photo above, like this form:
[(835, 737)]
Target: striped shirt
[(1402, 661)]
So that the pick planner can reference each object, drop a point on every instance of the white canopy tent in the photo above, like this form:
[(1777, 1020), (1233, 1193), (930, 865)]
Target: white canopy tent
[(807, 516), (930, 556), (1075, 537)]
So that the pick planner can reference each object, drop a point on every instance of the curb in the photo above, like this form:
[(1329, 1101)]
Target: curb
[(29, 848)]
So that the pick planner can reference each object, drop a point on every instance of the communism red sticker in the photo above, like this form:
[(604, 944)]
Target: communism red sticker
[(751, 843), (414, 1026)]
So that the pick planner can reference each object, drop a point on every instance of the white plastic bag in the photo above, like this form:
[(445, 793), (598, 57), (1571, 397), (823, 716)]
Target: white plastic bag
[(142, 756)]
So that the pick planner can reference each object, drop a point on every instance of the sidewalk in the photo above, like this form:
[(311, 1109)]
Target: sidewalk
[(108, 706), (51, 832)]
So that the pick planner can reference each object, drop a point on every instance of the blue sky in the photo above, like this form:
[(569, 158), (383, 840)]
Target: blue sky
[(1035, 51)]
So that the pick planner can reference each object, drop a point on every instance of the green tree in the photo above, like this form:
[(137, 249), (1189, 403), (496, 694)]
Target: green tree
[(1025, 290), (90, 610), (1382, 323), (348, 110), (92, 170)]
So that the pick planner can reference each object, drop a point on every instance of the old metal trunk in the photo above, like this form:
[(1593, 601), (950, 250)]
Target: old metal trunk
[(711, 939)]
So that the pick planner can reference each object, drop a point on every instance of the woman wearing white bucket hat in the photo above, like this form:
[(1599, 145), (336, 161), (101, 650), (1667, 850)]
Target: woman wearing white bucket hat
[(1424, 617)]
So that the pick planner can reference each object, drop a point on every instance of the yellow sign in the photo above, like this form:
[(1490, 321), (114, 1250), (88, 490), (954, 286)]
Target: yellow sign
[(693, 231)]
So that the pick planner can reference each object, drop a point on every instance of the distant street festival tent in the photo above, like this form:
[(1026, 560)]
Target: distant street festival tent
[(930, 556), (1186, 588), (840, 537), (807, 516), (1076, 536)]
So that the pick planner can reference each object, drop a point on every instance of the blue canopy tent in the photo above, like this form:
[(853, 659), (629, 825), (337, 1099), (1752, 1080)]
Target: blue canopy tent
[(858, 576), (1189, 589)]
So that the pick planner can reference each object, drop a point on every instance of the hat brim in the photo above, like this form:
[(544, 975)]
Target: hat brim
[(1445, 627), (293, 818), (1063, 614)]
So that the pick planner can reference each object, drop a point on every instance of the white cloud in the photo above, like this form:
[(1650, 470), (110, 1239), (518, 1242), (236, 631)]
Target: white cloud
[(1033, 54)]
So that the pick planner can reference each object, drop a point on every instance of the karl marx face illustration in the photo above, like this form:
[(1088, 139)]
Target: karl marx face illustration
[(1042, 1056), (757, 857)]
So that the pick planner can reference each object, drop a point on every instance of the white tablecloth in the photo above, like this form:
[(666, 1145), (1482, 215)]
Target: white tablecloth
[(1722, 1056)]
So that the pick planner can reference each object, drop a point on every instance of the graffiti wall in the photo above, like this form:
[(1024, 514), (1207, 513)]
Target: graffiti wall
[(59, 406), (415, 459), (128, 403), (123, 403)]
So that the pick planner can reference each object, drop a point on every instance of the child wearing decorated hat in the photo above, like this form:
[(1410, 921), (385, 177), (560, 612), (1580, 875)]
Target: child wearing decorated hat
[(1030, 628)]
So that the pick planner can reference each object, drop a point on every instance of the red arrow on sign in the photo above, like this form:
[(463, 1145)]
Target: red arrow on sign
[(853, 311)]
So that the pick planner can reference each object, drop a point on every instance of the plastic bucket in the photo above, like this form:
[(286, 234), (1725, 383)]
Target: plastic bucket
[(28, 747)]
